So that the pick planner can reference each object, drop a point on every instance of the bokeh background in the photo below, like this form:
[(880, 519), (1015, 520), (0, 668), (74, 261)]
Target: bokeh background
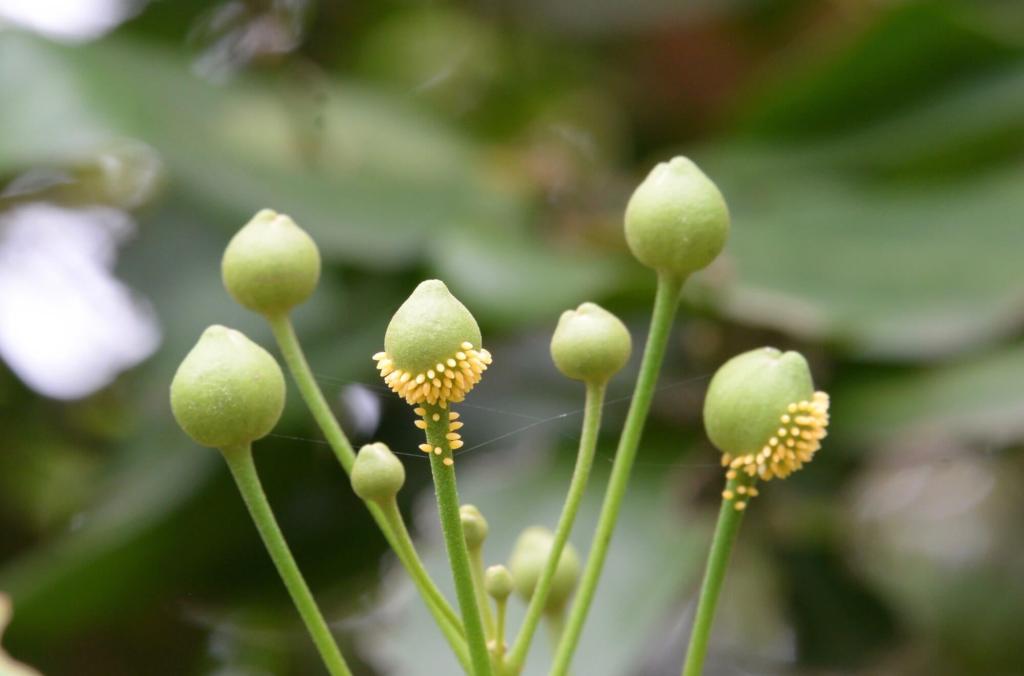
[(872, 153)]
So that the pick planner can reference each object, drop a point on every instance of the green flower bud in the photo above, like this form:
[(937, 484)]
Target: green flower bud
[(228, 390), (527, 563), (474, 525), (377, 473), (498, 582), (271, 265), (432, 348), (676, 220), (590, 344), (762, 412)]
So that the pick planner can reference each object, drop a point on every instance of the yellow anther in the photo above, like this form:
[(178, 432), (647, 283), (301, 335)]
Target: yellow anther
[(448, 462), (422, 424), (457, 444), (426, 448)]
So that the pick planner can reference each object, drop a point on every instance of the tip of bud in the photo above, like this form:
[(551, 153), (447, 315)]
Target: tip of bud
[(498, 582), (677, 220), (762, 412), (474, 525), (271, 265), (377, 473), (228, 390), (432, 348), (590, 344), (526, 564)]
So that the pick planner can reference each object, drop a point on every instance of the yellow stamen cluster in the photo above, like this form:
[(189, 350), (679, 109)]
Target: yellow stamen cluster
[(453, 437), (798, 438), (449, 380)]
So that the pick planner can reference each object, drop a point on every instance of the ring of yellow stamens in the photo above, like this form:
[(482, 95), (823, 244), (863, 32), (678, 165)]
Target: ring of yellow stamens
[(449, 380), (801, 429)]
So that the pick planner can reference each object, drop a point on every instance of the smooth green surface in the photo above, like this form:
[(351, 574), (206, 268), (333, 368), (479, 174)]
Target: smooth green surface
[(590, 344), (377, 473), (545, 590), (749, 394), (429, 328), (666, 301), (677, 221), (447, 495), (271, 265), (228, 390), (243, 469)]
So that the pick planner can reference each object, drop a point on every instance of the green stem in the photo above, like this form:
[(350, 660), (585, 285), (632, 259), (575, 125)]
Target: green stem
[(476, 562), (501, 605), (666, 301), (243, 469), (729, 519), (578, 485), (449, 622), (291, 349), (454, 537)]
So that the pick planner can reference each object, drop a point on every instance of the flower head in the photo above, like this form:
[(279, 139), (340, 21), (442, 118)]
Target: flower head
[(762, 412), (474, 526), (676, 220), (228, 390), (590, 344), (271, 264), (432, 348), (377, 473), (529, 557)]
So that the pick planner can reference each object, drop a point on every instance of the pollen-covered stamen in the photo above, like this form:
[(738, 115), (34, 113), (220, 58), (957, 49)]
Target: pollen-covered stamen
[(446, 382), (798, 438)]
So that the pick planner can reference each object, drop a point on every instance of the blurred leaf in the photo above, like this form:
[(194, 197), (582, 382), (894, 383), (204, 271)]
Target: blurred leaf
[(908, 272), (905, 54), (336, 156), (978, 399)]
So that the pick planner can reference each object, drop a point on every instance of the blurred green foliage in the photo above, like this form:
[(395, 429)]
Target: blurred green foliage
[(872, 155)]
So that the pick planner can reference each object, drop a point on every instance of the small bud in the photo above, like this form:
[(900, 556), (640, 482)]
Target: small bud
[(377, 473), (271, 265), (527, 563), (228, 390), (762, 412), (590, 344), (432, 348), (498, 582), (677, 220), (474, 525)]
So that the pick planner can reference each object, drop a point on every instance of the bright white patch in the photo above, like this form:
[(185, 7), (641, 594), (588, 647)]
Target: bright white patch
[(363, 408), (71, 20), (67, 326)]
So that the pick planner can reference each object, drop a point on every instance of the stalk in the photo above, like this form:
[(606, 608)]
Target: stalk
[(577, 487), (243, 469), (666, 301), (443, 468)]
